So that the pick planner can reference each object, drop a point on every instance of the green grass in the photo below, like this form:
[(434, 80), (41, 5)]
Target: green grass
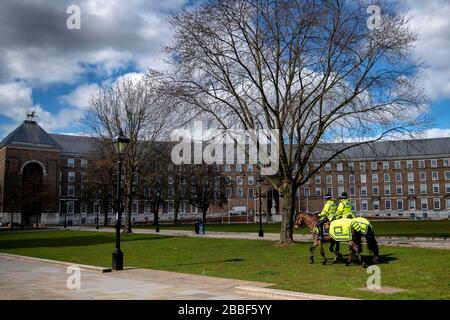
[(382, 228), (424, 274)]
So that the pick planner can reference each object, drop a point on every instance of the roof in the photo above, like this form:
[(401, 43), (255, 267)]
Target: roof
[(74, 145), (30, 134)]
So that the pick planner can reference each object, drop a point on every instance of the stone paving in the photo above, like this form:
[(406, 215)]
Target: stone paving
[(23, 278), (421, 242)]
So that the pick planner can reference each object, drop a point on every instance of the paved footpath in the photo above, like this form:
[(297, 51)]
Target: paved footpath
[(421, 242), (27, 278)]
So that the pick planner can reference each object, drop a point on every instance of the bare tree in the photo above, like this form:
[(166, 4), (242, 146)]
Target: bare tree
[(316, 71), (135, 107), (207, 187)]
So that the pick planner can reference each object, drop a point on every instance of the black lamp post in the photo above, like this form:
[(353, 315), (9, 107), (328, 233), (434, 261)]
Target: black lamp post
[(259, 182), (120, 144)]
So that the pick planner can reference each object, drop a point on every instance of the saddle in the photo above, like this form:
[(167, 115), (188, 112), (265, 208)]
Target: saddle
[(326, 229)]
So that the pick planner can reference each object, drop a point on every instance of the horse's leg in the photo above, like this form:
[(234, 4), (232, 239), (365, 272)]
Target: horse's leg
[(311, 251), (336, 252), (339, 254), (350, 253), (373, 246), (356, 248), (322, 253)]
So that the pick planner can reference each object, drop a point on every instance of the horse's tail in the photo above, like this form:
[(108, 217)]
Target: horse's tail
[(372, 242)]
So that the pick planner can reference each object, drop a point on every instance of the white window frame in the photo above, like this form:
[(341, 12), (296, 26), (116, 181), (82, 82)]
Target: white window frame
[(73, 207), (71, 163)]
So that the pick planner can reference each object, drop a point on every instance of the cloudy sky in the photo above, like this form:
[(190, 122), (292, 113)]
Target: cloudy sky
[(46, 67)]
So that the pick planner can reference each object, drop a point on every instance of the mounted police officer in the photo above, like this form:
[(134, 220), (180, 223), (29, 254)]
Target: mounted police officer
[(344, 209), (328, 214)]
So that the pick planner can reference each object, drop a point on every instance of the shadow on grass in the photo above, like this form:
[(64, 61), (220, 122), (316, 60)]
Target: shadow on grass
[(71, 241)]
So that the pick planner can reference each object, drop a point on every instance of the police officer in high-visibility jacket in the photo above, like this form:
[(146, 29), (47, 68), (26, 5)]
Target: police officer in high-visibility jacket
[(344, 209), (327, 215)]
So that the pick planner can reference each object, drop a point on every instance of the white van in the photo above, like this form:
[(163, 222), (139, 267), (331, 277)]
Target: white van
[(238, 210)]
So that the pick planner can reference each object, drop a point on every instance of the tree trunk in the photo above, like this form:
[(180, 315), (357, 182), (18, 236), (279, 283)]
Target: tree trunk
[(128, 210), (204, 215), (175, 215), (105, 212), (287, 223)]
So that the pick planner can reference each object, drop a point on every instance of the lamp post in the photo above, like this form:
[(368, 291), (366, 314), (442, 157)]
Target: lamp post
[(120, 144), (259, 182)]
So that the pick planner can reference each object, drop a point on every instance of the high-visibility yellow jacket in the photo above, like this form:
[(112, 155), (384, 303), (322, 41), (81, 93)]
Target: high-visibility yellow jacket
[(344, 210), (329, 210)]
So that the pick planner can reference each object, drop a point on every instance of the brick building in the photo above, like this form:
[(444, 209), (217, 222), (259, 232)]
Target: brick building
[(43, 173)]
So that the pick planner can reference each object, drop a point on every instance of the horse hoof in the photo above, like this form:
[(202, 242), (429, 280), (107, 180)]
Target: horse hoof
[(311, 262), (324, 262)]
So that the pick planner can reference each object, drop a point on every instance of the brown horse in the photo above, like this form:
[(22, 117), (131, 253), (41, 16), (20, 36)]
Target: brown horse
[(303, 219)]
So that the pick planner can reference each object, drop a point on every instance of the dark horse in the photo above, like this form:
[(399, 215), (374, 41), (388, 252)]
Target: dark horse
[(304, 219)]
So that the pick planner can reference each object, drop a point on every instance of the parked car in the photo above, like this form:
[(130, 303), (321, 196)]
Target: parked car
[(238, 210)]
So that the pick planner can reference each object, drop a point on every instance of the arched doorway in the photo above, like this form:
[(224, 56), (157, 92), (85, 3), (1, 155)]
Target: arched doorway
[(32, 181), (273, 195)]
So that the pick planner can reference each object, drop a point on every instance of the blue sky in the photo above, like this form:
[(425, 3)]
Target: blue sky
[(53, 70)]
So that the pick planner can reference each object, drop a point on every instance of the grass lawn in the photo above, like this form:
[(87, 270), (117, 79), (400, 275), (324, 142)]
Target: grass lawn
[(382, 228), (423, 273)]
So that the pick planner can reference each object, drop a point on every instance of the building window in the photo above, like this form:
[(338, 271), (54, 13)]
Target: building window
[(436, 188), (318, 179), (240, 193), (134, 208), (83, 163), (251, 193), (318, 192), (147, 207), (340, 179), (385, 165), (448, 203), (240, 181), (71, 163), (387, 205), (83, 207), (447, 175), (375, 178), (362, 166), (412, 204), (306, 192), (423, 189), (424, 204), (446, 163), (398, 177), (70, 207), (411, 189), (351, 166), (376, 205), (387, 190), (434, 163), (352, 190), (410, 176), (399, 204), (409, 164), (227, 168), (251, 180), (170, 207), (71, 176), (249, 168), (435, 175), (423, 176), (421, 164), (228, 192), (229, 180), (437, 204), (70, 191), (329, 179), (339, 167), (340, 190), (351, 178), (239, 168), (447, 188), (364, 205), (375, 190), (317, 167), (363, 178), (353, 203), (363, 190), (387, 177), (330, 190), (374, 166), (399, 190), (328, 167), (397, 165)]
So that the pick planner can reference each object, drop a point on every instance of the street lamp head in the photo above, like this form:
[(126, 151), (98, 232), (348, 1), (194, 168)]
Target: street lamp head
[(120, 143), (259, 181)]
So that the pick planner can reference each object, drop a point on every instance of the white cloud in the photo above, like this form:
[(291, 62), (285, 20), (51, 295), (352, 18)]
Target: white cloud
[(81, 95), (435, 133)]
